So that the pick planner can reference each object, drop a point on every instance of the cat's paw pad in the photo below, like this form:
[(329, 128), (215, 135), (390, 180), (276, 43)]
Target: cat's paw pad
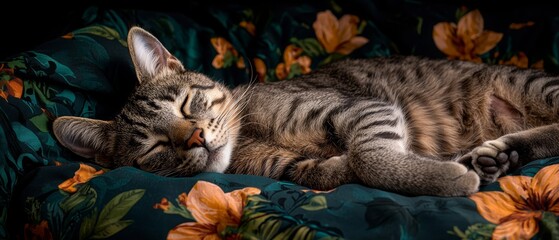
[(491, 160)]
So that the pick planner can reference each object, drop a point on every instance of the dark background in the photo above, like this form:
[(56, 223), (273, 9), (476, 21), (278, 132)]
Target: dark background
[(25, 24), (23, 28)]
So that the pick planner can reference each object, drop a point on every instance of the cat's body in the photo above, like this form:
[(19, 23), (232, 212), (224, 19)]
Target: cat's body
[(390, 118), (403, 124)]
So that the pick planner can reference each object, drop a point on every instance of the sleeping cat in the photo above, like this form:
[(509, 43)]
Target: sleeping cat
[(404, 124)]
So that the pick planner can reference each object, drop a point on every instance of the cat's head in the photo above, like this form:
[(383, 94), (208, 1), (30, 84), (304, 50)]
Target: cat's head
[(176, 123)]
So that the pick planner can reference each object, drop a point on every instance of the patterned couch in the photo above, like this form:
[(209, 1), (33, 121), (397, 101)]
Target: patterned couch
[(49, 193)]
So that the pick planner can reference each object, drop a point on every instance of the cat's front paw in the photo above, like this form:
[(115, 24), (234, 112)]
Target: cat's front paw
[(323, 174), (458, 180), (491, 160)]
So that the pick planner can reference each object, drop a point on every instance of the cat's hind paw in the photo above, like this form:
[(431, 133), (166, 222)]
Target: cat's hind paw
[(491, 160)]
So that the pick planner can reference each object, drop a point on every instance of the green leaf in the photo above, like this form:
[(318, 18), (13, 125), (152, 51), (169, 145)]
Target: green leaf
[(33, 209), (294, 70), (258, 199), (62, 71), (26, 136), (550, 226), (85, 196), (88, 225), (478, 231), (248, 13), (228, 59), (270, 225), (460, 12), (330, 238), (305, 233), (361, 27), (335, 6), (316, 203), (456, 231), (310, 46), (419, 25), (118, 207), (263, 219), (102, 31), (286, 234), (40, 121), (109, 230), (180, 210), (278, 52), (17, 63), (259, 225), (332, 57)]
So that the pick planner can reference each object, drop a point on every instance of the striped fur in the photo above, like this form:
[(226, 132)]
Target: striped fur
[(176, 123), (400, 124), (405, 124)]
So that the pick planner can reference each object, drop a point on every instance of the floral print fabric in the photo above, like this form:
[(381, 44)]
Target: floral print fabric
[(50, 193), (467, 39), (519, 209)]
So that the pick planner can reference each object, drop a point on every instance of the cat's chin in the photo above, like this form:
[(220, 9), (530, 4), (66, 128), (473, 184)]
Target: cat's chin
[(219, 159)]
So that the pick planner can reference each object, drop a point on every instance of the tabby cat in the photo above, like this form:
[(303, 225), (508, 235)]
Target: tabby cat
[(404, 124)]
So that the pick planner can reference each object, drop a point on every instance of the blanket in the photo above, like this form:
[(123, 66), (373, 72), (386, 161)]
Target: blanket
[(47, 192)]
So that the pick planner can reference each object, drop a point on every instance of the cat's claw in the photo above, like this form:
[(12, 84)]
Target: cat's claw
[(491, 160)]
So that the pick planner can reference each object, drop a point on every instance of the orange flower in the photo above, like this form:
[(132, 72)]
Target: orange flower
[(519, 208), (466, 41), (291, 56), (12, 87), (182, 198), (318, 191), (163, 205), (225, 53), (260, 67), (213, 211), (281, 71), (517, 26), (249, 26), (69, 35), (39, 231), (520, 60), (82, 175), (338, 36), (539, 64)]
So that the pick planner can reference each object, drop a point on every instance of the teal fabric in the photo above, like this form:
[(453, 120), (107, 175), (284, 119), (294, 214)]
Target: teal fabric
[(88, 73)]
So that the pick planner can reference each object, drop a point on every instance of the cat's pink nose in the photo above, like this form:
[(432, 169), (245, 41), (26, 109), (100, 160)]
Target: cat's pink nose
[(196, 140)]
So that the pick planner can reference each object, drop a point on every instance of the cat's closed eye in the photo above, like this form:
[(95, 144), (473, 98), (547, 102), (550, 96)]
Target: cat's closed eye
[(177, 122), (204, 104), (185, 108), (159, 144), (217, 101)]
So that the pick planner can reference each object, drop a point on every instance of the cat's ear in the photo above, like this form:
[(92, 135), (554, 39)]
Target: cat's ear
[(85, 137), (149, 56)]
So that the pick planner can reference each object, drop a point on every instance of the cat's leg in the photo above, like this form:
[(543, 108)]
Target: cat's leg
[(497, 157), (388, 166), (270, 160), (379, 154), (322, 174)]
